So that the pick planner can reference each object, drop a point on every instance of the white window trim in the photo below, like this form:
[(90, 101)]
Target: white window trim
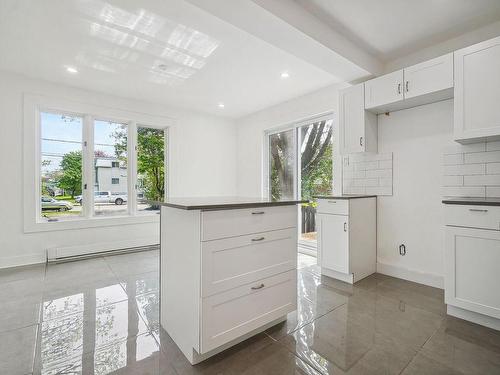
[(33, 105), (337, 165)]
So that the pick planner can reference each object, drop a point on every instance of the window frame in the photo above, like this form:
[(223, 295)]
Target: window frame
[(34, 105), (337, 165)]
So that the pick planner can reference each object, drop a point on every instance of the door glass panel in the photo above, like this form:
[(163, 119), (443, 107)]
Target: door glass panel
[(282, 165), (316, 171), (150, 168), (61, 166), (110, 168)]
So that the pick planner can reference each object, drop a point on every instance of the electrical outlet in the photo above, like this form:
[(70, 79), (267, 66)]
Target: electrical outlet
[(402, 249)]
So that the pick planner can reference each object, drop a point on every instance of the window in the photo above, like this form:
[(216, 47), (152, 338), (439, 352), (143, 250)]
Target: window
[(60, 166), (301, 166), (150, 168), (110, 163), (92, 167)]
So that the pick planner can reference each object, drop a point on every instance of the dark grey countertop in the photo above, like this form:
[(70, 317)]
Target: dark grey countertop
[(223, 203), (473, 201), (343, 196)]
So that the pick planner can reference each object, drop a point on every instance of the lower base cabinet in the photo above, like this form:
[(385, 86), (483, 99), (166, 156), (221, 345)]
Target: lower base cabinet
[(472, 264), (347, 237)]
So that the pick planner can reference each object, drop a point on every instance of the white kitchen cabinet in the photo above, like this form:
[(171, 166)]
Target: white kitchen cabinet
[(477, 92), (423, 83), (433, 77), (226, 273), (358, 127), (347, 237), (472, 259), (384, 90)]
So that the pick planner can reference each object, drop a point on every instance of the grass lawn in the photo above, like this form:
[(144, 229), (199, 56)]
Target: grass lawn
[(66, 198)]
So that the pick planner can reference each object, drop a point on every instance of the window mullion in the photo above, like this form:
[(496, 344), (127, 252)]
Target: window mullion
[(132, 167), (87, 166)]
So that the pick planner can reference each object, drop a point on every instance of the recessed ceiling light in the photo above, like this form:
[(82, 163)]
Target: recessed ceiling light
[(285, 75), (71, 69), (221, 105)]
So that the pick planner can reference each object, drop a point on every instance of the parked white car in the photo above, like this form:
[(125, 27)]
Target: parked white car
[(106, 197)]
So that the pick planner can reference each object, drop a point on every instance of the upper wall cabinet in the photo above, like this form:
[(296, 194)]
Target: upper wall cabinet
[(477, 92), (358, 127), (419, 84), (384, 90)]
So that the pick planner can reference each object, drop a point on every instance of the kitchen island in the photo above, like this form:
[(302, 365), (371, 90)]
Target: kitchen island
[(227, 270)]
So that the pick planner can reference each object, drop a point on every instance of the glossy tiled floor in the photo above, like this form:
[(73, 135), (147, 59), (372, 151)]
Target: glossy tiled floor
[(100, 316)]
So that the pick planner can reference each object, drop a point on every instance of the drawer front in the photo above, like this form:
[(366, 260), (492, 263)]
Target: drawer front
[(236, 261), (333, 206), (483, 217), (231, 223), (229, 315)]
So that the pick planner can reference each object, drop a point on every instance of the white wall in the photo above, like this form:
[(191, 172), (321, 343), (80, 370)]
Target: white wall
[(414, 215), (251, 133), (203, 150)]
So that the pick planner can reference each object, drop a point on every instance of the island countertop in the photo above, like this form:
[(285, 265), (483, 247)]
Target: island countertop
[(223, 203)]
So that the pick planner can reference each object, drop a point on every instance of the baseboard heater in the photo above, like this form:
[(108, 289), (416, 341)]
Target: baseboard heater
[(60, 255)]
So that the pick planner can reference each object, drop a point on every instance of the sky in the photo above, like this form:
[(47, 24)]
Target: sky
[(69, 129)]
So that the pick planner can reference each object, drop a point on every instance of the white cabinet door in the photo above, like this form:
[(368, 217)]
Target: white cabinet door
[(384, 90), (472, 277), (429, 77), (477, 91), (334, 242), (357, 126), (353, 118)]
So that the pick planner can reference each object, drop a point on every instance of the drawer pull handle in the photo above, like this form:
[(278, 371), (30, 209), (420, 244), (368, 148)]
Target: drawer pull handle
[(258, 287), (477, 210), (332, 201), (258, 213), (258, 239), (345, 227)]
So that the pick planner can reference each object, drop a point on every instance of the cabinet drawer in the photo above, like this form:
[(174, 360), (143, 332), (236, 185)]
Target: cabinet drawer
[(231, 314), (230, 223), (236, 261), (484, 217), (333, 206)]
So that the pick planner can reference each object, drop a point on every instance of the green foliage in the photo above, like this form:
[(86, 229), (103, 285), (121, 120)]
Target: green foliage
[(70, 178), (151, 162)]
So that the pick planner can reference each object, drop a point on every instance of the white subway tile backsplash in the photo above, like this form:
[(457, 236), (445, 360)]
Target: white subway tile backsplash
[(464, 169), (385, 164), (493, 146), (482, 157), (472, 170), (464, 191), (493, 168), (482, 180), (453, 159), (453, 181), (382, 173), (380, 190), (368, 171)]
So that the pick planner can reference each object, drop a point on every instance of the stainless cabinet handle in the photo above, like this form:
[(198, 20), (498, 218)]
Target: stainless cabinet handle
[(258, 213), (258, 287), (399, 88), (407, 88), (345, 227), (477, 210), (332, 201), (361, 141), (258, 239)]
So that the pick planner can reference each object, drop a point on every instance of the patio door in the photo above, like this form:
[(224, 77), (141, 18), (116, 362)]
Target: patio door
[(301, 166)]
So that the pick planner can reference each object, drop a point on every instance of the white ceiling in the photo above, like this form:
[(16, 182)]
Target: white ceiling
[(390, 29), (166, 51)]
